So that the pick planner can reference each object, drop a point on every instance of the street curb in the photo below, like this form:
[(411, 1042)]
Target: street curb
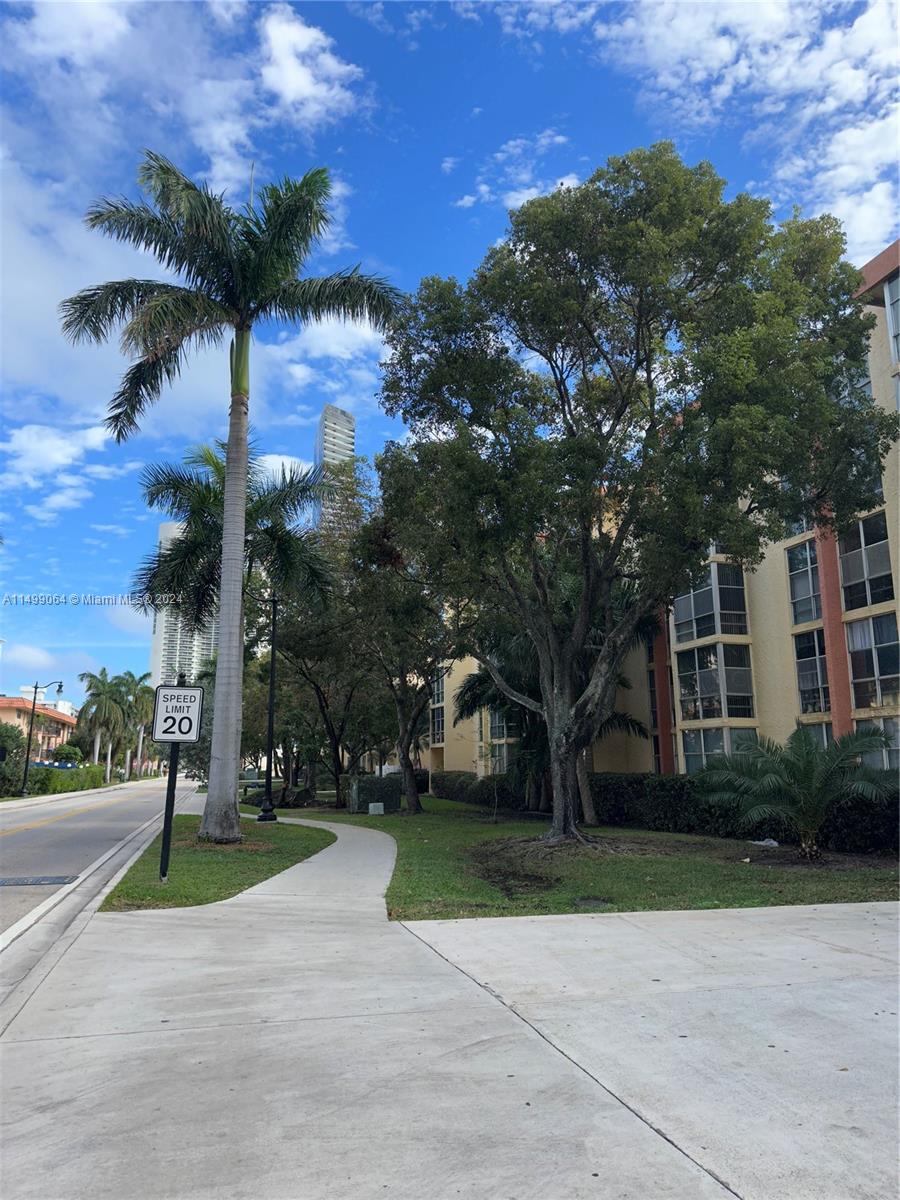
[(38, 801), (36, 914)]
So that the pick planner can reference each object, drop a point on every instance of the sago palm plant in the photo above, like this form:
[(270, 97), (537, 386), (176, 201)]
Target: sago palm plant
[(233, 270), (799, 782)]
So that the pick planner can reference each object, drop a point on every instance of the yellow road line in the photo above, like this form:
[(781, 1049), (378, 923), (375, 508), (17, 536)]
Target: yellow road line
[(74, 812)]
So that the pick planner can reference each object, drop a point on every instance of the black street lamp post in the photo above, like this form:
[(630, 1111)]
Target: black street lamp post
[(38, 687), (267, 808)]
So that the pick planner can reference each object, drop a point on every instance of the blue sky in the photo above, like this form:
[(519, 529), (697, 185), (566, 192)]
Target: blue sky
[(434, 119)]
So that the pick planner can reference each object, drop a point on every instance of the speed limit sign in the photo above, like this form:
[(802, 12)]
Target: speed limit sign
[(176, 714)]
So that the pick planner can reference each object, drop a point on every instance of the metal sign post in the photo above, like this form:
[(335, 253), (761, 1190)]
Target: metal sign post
[(176, 719)]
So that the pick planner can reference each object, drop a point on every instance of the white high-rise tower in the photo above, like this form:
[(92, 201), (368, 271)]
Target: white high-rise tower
[(335, 443), (175, 647)]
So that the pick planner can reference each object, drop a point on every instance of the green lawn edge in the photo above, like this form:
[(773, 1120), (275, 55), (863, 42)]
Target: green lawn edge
[(202, 872), (437, 876)]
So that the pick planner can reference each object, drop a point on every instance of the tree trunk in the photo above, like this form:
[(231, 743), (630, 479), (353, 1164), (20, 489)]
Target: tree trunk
[(809, 848), (221, 816), (127, 764), (96, 757), (140, 751), (108, 774), (588, 810), (337, 768), (410, 791), (564, 784)]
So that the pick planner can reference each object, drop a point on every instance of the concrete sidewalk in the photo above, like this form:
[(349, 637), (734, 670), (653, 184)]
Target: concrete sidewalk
[(292, 1044), (762, 1041)]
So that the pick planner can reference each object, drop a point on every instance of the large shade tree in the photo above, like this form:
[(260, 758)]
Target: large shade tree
[(231, 271), (639, 369)]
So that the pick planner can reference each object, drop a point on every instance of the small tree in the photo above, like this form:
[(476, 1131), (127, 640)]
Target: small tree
[(799, 782)]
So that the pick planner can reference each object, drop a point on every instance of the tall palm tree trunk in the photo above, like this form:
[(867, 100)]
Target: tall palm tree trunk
[(108, 775), (96, 757), (221, 818), (140, 751)]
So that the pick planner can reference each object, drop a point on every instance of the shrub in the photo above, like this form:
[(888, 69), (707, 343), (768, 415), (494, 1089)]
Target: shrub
[(675, 804), (47, 781), (67, 754), (370, 789), (491, 789), (12, 740), (451, 785)]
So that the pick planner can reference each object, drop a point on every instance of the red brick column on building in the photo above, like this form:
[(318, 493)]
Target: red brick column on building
[(833, 628), (663, 700)]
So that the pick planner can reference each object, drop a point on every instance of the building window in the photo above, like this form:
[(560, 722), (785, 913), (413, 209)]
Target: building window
[(717, 605), (702, 745), (889, 757), (812, 671), (874, 665), (437, 688), (651, 689), (499, 758), (821, 733), (695, 615), (437, 725), (714, 681), (866, 563), (803, 577), (892, 311), (657, 755), (498, 724)]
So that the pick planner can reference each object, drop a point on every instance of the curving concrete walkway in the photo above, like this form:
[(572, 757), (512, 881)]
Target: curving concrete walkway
[(292, 1044)]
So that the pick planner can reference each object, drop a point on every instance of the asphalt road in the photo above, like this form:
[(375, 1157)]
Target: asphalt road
[(63, 837)]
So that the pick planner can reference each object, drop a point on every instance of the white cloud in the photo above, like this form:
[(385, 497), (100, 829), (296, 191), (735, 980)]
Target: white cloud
[(36, 451), (26, 657), (812, 82), (516, 172), (332, 339), (301, 69), (274, 464), (119, 530), (449, 164)]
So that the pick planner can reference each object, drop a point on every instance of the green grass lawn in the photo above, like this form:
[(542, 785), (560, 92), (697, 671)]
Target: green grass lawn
[(201, 872), (454, 862)]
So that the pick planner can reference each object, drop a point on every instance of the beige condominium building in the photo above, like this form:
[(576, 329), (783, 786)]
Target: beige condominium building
[(809, 636)]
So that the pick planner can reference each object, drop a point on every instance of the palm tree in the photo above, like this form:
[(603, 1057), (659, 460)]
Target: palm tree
[(190, 565), (137, 705), (799, 782), (103, 711), (234, 269)]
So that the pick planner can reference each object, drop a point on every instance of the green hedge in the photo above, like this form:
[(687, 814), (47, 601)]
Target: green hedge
[(467, 788), (363, 790), (675, 804), (47, 781)]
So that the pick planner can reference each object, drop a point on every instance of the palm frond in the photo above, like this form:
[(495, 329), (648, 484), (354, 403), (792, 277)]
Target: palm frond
[(294, 562), (622, 722), (289, 494), (193, 208), (93, 313), (140, 387), (293, 216), (346, 295), (175, 315)]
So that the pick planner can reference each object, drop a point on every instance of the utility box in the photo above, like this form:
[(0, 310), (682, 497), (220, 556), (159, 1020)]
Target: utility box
[(376, 810), (368, 794)]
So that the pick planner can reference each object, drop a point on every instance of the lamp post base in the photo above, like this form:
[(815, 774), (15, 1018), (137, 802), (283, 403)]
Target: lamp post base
[(267, 810)]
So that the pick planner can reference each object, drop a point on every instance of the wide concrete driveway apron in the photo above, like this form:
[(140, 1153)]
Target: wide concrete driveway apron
[(292, 1044)]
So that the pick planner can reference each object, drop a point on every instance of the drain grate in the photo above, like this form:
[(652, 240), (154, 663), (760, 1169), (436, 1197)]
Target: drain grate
[(36, 880)]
